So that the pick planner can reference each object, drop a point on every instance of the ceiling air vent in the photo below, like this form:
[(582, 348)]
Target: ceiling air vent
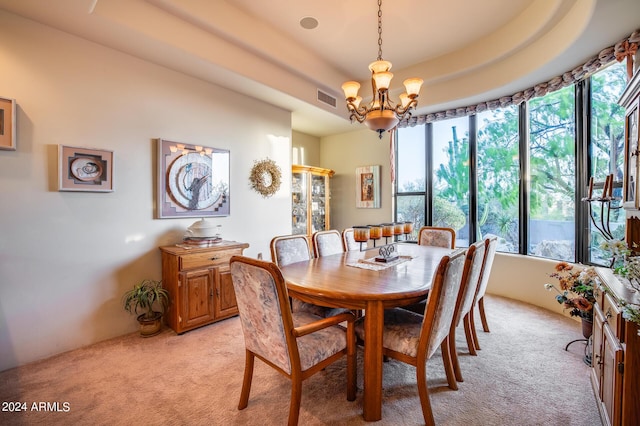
[(326, 98)]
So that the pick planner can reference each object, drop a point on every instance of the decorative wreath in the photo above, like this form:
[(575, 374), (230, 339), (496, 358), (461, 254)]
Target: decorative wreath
[(265, 177)]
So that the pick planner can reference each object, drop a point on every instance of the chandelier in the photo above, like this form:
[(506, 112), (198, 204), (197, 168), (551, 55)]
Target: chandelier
[(381, 114)]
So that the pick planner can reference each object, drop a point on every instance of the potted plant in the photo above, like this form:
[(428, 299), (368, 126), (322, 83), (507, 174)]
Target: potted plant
[(576, 293), (144, 296)]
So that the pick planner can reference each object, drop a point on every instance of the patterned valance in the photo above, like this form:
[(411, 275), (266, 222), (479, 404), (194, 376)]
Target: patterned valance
[(625, 48)]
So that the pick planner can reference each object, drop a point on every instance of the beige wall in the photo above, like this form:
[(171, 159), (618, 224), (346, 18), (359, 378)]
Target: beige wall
[(344, 153), (67, 257), (305, 149)]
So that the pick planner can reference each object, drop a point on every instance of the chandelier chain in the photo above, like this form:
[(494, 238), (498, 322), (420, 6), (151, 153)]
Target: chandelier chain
[(379, 30)]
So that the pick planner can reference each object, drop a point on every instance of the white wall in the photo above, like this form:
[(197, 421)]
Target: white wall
[(66, 258)]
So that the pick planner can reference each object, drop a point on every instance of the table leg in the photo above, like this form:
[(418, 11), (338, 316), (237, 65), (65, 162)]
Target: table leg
[(373, 324)]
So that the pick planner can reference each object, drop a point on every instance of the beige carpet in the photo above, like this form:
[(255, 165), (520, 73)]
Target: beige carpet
[(522, 376)]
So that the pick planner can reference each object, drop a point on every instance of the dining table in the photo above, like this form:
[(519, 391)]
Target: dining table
[(357, 281)]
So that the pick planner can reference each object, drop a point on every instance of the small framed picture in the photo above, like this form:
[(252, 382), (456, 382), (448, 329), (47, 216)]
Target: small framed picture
[(7, 124), (85, 169), (368, 187)]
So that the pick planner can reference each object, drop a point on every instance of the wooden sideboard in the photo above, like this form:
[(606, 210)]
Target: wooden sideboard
[(615, 362), (199, 284)]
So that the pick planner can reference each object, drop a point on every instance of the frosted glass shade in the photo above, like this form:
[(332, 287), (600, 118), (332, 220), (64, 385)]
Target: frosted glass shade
[(350, 89), (379, 66), (413, 86), (383, 80)]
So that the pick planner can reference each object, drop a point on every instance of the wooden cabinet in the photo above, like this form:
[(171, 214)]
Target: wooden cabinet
[(310, 195), (615, 369), (199, 284)]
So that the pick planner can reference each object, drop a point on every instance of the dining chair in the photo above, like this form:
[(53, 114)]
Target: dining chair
[(472, 270), (438, 237), (296, 344), (412, 338), (349, 241), (288, 249), (491, 244), (474, 261), (326, 243)]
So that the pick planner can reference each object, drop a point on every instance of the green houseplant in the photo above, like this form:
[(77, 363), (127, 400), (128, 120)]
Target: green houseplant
[(144, 296)]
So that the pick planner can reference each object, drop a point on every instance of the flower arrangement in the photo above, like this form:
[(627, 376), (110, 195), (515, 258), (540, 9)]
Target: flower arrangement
[(576, 289)]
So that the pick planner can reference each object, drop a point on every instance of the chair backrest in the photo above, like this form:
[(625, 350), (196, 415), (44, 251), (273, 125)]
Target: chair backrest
[(438, 237), (287, 249), (349, 240), (491, 244), (474, 260), (263, 306), (326, 243), (441, 304)]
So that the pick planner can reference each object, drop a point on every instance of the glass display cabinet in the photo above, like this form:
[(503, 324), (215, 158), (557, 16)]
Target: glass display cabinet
[(310, 194)]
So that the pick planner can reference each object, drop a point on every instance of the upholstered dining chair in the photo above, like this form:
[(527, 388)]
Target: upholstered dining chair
[(297, 345), (491, 244), (326, 243), (412, 338), (472, 270), (349, 240), (287, 249), (438, 237), (474, 260)]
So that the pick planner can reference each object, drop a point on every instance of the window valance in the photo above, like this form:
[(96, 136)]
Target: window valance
[(624, 49)]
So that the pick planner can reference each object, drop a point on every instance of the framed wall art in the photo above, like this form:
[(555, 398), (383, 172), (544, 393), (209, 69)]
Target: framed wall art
[(193, 181), (7, 124), (85, 169), (368, 187)]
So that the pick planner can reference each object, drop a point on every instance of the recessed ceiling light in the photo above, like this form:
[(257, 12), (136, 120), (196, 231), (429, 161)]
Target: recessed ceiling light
[(308, 22)]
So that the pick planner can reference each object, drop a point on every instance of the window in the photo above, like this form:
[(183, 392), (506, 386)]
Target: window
[(499, 177), (607, 155), (439, 185), (410, 200), (450, 159), (552, 175)]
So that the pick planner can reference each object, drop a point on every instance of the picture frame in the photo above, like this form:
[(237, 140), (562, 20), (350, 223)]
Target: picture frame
[(368, 187), (192, 180), (630, 186), (85, 169), (8, 124)]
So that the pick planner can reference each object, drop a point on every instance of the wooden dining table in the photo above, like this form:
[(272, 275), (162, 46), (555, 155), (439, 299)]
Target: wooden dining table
[(333, 281)]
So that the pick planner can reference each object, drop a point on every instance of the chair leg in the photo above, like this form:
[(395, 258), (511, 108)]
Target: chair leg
[(453, 351), (246, 383), (351, 363), (448, 366), (469, 334), (473, 327), (423, 392), (296, 397), (485, 326)]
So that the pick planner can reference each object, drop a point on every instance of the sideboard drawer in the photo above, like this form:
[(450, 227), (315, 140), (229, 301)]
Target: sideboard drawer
[(206, 260), (612, 315)]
